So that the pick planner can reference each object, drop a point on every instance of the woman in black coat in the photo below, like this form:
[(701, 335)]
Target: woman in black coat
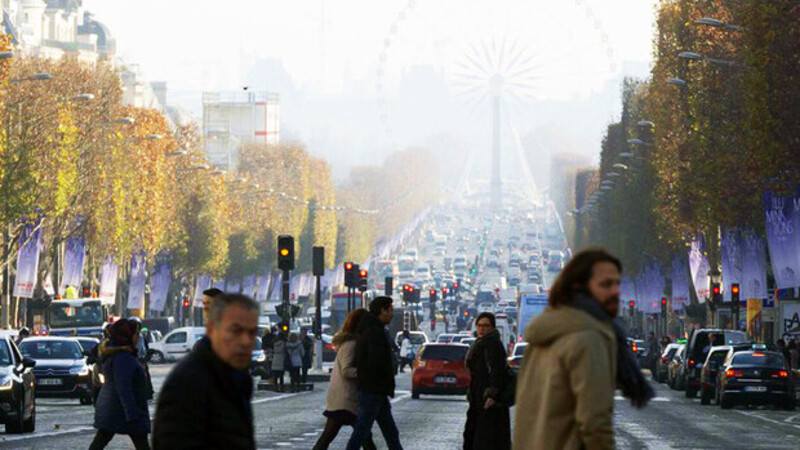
[(488, 423), (122, 404)]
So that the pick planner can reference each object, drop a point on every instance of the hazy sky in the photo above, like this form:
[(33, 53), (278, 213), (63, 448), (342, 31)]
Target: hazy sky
[(204, 44)]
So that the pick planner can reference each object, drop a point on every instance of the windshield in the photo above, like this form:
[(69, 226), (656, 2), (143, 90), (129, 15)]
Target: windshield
[(51, 349), (68, 316), (759, 359), (445, 352), (5, 353), (519, 349)]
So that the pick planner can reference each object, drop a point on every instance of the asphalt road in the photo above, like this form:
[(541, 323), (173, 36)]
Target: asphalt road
[(295, 421)]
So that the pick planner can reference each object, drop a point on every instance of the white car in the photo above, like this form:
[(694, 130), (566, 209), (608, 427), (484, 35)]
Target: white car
[(176, 344)]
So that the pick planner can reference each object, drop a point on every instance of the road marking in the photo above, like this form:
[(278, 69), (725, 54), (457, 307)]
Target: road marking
[(620, 398), (766, 419), (790, 419), (647, 438), (46, 434), (400, 397), (312, 433), (278, 397)]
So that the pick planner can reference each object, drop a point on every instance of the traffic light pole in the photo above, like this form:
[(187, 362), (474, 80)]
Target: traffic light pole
[(285, 297)]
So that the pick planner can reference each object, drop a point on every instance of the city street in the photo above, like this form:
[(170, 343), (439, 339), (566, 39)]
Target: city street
[(295, 421)]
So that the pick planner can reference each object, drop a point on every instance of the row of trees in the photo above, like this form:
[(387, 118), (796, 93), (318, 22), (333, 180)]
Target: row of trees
[(704, 137), (75, 160)]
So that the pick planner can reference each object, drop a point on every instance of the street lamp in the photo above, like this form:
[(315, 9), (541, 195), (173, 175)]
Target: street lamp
[(676, 81), (620, 166), (125, 120), (80, 97), (626, 155), (645, 123), (177, 153), (154, 137), (41, 76), (6, 55), (692, 56), (639, 142), (613, 174), (711, 22)]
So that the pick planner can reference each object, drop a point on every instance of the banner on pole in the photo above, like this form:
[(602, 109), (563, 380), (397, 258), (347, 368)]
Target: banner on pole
[(699, 267), (108, 279), (783, 238), (159, 286), (138, 281), (680, 283), (201, 283), (27, 262), (74, 259), (754, 272)]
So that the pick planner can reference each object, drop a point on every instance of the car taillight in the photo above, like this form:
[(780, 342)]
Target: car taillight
[(513, 363), (635, 348), (692, 363), (730, 373), (330, 347), (421, 363), (779, 374), (664, 359)]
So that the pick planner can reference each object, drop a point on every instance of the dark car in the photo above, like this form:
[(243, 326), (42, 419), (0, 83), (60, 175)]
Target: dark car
[(440, 369), (17, 389), (697, 349), (258, 362), (515, 358), (755, 377), (61, 370), (662, 365), (709, 370)]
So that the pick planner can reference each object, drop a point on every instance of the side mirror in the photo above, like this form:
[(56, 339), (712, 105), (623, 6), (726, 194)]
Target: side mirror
[(28, 362)]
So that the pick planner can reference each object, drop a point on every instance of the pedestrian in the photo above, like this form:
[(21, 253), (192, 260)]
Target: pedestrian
[(23, 334), (488, 422), (406, 352), (209, 295), (375, 376), (205, 400), (295, 352), (653, 352), (794, 354), (121, 406), (279, 365), (267, 343), (341, 405), (308, 353), (142, 351), (565, 387)]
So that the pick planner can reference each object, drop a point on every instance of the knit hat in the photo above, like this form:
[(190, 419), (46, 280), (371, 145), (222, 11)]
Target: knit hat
[(122, 332)]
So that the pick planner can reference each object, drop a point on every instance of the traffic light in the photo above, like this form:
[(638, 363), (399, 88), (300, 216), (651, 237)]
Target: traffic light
[(445, 291), (631, 304), (389, 286), (186, 303), (663, 305), (716, 294), (286, 252), (735, 296), (406, 293), (432, 295), (86, 290), (350, 271), (284, 327), (433, 323), (362, 280)]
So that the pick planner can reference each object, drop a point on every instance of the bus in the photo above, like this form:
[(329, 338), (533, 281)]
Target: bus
[(383, 269), (528, 307), (79, 317)]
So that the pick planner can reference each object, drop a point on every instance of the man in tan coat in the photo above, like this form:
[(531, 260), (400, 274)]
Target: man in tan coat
[(565, 388)]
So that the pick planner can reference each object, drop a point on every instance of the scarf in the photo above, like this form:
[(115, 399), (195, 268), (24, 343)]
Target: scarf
[(633, 384)]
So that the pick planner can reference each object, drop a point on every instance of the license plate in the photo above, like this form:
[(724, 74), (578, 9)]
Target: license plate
[(445, 380), (755, 389), (49, 381)]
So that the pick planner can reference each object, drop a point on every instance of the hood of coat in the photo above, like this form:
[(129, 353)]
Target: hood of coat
[(340, 338), (555, 323), (292, 346), (107, 349)]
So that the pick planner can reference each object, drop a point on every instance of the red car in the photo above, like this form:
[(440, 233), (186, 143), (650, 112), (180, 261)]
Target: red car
[(440, 369)]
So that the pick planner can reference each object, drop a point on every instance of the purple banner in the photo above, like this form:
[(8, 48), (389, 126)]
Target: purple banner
[(249, 286), (754, 273), (732, 261), (159, 286), (699, 267), (138, 280), (275, 293), (782, 221), (627, 290), (219, 284), (233, 286), (74, 258), (108, 279), (263, 287), (201, 283), (680, 283), (27, 262)]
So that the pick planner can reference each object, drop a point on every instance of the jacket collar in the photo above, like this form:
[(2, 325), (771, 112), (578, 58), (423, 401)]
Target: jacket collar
[(221, 371)]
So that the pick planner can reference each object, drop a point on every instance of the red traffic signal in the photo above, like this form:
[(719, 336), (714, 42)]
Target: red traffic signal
[(348, 266), (445, 290), (664, 301), (186, 303), (411, 289), (406, 287), (716, 289), (363, 274), (433, 292), (455, 285), (735, 289), (631, 303)]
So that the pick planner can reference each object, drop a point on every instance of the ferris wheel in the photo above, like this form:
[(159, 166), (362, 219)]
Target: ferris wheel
[(496, 58)]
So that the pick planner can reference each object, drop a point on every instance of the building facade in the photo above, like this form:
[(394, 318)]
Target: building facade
[(233, 119)]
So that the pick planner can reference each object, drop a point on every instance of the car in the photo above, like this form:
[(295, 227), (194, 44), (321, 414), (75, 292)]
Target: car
[(440, 369), (445, 338), (755, 377), (675, 378), (662, 366), (418, 339), (457, 339), (639, 348), (515, 358), (708, 372), (176, 344), (88, 345), (17, 388), (469, 341), (700, 342), (258, 362), (328, 349), (61, 369)]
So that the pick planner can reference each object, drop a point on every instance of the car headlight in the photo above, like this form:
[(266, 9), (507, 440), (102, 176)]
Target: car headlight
[(261, 357), (6, 384), (102, 378), (80, 371)]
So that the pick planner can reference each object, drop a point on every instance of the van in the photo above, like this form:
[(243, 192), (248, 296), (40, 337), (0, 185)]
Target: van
[(176, 344), (697, 350)]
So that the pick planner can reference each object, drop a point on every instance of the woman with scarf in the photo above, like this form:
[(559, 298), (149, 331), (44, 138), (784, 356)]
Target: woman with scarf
[(122, 403)]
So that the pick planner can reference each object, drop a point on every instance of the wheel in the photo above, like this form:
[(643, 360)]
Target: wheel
[(157, 357), (29, 426), (18, 424), (705, 396), (725, 402), (414, 394)]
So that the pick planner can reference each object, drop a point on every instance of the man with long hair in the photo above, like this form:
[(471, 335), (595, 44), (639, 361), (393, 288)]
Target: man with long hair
[(575, 357)]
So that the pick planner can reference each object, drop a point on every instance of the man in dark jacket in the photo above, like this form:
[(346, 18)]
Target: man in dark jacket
[(205, 400), (308, 353), (375, 376)]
